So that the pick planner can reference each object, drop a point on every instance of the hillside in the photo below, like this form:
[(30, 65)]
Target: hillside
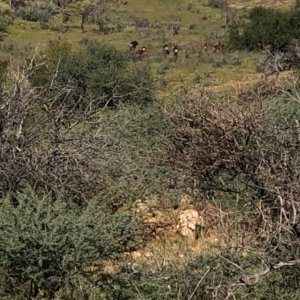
[(163, 169)]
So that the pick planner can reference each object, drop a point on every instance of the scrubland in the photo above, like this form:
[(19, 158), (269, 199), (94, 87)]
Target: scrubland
[(129, 174)]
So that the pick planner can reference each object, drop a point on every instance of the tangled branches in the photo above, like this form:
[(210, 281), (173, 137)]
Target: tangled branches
[(40, 144), (248, 152)]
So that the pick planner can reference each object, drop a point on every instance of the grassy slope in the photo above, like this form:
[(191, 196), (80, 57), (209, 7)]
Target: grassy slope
[(170, 76)]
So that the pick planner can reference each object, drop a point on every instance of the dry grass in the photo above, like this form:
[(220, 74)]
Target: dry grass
[(169, 247), (265, 3)]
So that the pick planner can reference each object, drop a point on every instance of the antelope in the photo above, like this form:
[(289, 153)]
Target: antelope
[(166, 50), (175, 52), (218, 46), (140, 54), (133, 45)]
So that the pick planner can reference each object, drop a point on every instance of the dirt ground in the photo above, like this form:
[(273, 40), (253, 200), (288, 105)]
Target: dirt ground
[(264, 3), (280, 79)]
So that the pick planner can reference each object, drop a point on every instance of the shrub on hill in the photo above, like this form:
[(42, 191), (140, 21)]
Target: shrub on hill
[(246, 150), (36, 12), (266, 27), (223, 143), (97, 75), (36, 146), (46, 244), (108, 153)]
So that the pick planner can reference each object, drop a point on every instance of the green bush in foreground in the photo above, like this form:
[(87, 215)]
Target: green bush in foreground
[(46, 244)]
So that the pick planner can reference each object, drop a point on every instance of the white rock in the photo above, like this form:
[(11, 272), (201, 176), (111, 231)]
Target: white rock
[(190, 223)]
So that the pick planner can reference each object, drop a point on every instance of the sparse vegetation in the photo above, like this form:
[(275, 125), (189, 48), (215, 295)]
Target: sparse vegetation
[(36, 12), (149, 150)]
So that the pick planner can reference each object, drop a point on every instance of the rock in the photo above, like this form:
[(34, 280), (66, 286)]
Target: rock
[(190, 223), (136, 255)]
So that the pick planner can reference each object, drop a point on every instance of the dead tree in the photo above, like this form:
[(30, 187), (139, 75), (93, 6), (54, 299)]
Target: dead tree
[(38, 145)]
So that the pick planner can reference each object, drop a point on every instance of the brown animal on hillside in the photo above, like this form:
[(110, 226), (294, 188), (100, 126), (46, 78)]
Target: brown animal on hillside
[(166, 50), (175, 52), (141, 53), (218, 46), (133, 45)]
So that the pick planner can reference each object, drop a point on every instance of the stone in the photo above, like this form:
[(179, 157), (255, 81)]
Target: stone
[(190, 223)]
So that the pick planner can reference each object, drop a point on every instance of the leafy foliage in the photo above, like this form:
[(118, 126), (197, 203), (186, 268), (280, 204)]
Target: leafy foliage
[(266, 27), (83, 153), (98, 74), (131, 155), (46, 243)]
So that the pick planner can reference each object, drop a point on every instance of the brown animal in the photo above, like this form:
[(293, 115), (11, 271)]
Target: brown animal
[(175, 52), (133, 45), (218, 46), (142, 53), (166, 50)]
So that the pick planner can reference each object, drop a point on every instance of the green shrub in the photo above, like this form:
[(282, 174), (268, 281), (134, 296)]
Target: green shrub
[(266, 27), (36, 12), (112, 152), (97, 75), (46, 243), (133, 138)]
